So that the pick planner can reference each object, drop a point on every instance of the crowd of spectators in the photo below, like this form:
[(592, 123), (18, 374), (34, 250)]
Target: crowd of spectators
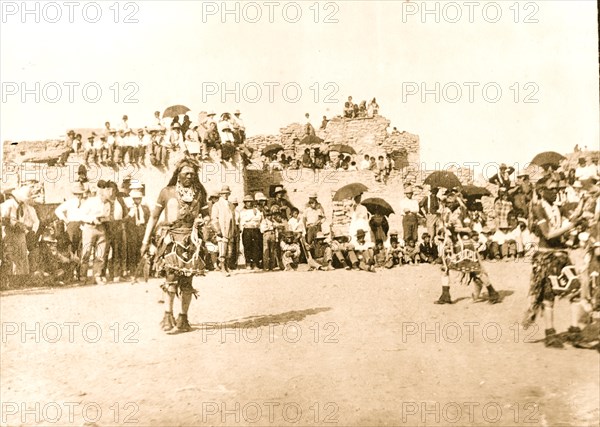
[(210, 139)]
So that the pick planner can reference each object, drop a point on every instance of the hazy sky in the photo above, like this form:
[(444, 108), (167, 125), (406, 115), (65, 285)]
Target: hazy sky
[(179, 52)]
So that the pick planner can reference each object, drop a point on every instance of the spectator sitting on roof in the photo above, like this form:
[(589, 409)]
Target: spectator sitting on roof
[(349, 109), (362, 109)]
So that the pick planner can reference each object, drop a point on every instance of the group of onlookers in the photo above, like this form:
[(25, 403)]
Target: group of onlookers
[(123, 145), (352, 110)]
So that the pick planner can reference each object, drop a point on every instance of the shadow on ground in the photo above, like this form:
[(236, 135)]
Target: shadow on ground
[(263, 320)]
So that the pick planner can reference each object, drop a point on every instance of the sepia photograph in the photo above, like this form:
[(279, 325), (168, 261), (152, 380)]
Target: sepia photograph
[(354, 213)]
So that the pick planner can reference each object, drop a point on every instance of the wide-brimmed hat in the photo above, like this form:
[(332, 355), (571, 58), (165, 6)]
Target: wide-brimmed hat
[(577, 184), (279, 189), (275, 209), (225, 190), (213, 195), (92, 136), (237, 112), (248, 198), (503, 166), (409, 190), (175, 126), (360, 232), (136, 194), (233, 200), (320, 235), (260, 196), (211, 113), (312, 195)]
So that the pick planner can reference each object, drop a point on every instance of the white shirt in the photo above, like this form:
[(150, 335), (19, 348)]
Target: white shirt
[(409, 205), (10, 209), (365, 164), (92, 209), (250, 218), (296, 225), (69, 210)]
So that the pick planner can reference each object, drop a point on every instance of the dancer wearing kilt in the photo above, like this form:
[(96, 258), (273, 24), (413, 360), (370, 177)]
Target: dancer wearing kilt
[(178, 257), (551, 257)]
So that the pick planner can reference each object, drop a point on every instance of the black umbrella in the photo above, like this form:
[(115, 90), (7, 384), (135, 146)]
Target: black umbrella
[(311, 139), (269, 150), (375, 205), (349, 191), (342, 148), (442, 179), (175, 110), (475, 191), (548, 158)]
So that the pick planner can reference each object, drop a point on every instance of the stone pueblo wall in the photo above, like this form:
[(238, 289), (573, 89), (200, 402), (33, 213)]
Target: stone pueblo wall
[(300, 183), (366, 135)]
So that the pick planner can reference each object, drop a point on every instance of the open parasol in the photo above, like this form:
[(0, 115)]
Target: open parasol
[(442, 179), (349, 191), (271, 149), (310, 140), (548, 158), (376, 205), (473, 191), (175, 110)]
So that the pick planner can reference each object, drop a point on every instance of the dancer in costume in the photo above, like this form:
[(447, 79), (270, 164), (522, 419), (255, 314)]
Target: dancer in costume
[(178, 256)]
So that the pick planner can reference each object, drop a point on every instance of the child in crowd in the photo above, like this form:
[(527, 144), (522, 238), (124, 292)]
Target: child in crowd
[(380, 175), (411, 252), (427, 250), (379, 254), (394, 252), (364, 251), (295, 224), (290, 251)]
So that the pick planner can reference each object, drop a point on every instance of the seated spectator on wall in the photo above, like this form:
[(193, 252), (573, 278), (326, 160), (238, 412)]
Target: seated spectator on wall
[(365, 164)]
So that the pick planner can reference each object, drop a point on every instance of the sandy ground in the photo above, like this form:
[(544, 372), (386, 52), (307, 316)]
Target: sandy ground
[(298, 348)]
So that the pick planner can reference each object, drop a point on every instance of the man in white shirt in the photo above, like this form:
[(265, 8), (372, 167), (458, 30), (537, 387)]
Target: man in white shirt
[(409, 208), (124, 125), (69, 213), (157, 122), (222, 219), (250, 219), (192, 141), (95, 213)]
